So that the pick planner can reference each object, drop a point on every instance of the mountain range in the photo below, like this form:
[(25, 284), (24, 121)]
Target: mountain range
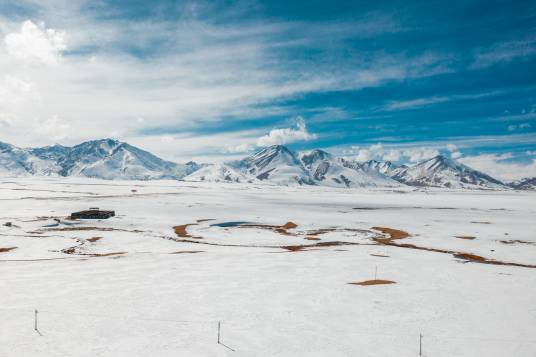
[(277, 165)]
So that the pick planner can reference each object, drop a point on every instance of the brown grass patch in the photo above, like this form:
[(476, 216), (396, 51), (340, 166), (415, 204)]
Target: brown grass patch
[(481, 222), (182, 231), (311, 238), (373, 282), (289, 225), (3, 250), (106, 254), (94, 239), (397, 234), (465, 237), (295, 248), (394, 234), (471, 257), (379, 255)]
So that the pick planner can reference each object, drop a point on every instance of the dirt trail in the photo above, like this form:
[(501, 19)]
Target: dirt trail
[(373, 282), (3, 250), (394, 234), (101, 229)]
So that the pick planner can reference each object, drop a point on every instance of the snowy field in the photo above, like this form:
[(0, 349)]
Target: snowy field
[(273, 264)]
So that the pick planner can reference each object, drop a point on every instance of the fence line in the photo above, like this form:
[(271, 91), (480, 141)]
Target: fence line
[(429, 333)]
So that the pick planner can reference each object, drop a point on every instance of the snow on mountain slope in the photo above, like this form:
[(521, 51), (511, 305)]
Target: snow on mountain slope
[(15, 161), (528, 183), (218, 173), (386, 168), (105, 159), (111, 159), (275, 164), (440, 171), (327, 170)]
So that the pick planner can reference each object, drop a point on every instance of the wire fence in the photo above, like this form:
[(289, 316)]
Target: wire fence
[(231, 334)]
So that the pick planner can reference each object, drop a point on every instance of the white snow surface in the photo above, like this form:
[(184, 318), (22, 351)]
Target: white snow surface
[(148, 301)]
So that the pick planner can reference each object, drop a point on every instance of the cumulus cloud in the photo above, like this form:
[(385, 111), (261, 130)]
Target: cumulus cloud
[(454, 152), (501, 166), (35, 43), (378, 152), (239, 149), (287, 135)]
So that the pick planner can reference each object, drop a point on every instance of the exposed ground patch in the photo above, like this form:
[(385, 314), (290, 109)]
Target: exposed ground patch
[(373, 282), (3, 250), (394, 234), (517, 241), (182, 231), (465, 237), (101, 229)]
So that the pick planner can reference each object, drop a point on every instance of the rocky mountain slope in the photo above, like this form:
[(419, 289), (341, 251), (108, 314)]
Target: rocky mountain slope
[(440, 171), (105, 159), (528, 183), (277, 165)]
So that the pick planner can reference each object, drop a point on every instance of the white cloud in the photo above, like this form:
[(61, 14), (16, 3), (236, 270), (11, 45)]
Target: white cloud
[(392, 155), (496, 166), (287, 135), (239, 149), (179, 74), (456, 155), (519, 127), (418, 154), (454, 152), (54, 127), (35, 43), (504, 52), (378, 152)]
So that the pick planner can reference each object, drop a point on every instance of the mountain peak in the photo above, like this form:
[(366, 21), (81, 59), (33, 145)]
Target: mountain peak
[(309, 157), (440, 171)]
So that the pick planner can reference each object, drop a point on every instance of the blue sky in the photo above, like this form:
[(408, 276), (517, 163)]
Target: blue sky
[(398, 80)]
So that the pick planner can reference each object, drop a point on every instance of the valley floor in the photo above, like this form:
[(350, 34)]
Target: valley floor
[(273, 264)]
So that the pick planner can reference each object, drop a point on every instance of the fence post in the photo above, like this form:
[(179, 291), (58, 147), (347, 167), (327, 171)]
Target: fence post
[(219, 326), (35, 320), (420, 344)]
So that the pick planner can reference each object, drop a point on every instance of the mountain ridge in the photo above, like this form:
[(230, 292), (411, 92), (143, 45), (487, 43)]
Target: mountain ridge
[(112, 159)]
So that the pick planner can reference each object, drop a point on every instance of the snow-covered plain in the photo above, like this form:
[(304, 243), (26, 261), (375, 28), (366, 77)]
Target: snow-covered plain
[(271, 300)]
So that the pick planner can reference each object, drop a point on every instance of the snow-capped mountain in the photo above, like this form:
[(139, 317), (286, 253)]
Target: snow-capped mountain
[(275, 164), (327, 170), (386, 168), (105, 159), (528, 183), (15, 161), (218, 173), (440, 171)]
